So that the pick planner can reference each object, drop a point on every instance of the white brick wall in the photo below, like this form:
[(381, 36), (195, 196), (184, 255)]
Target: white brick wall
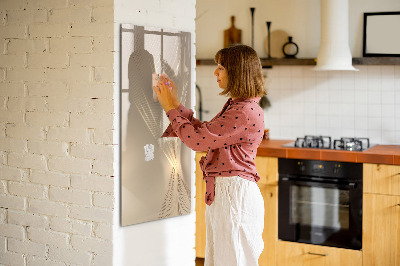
[(56, 126)]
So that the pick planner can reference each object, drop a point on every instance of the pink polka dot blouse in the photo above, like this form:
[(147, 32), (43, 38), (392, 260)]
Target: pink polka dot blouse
[(231, 139)]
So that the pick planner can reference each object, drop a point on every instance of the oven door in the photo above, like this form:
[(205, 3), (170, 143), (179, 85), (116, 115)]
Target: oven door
[(321, 212)]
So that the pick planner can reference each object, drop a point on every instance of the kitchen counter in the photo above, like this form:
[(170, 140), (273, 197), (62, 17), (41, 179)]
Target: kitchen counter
[(379, 154)]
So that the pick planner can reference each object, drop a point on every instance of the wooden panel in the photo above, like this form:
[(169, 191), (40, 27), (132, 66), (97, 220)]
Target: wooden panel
[(297, 254), (267, 168), (200, 209), (339, 156), (381, 179), (305, 153), (376, 61), (397, 159), (312, 61), (381, 230), (270, 233), (375, 158)]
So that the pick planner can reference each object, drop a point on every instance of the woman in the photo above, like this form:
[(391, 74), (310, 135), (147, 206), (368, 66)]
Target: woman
[(235, 207)]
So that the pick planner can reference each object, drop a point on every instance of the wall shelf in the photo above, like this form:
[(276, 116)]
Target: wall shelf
[(312, 61)]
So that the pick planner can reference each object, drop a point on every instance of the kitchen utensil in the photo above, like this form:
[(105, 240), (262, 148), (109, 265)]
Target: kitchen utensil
[(232, 35), (252, 9)]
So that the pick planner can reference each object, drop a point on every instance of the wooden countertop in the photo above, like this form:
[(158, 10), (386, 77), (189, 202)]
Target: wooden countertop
[(379, 154)]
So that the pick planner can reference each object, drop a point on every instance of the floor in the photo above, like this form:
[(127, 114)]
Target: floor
[(199, 262)]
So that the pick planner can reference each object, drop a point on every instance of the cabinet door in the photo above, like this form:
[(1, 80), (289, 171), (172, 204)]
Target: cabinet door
[(297, 254), (267, 168), (200, 209), (381, 179), (381, 230), (270, 233)]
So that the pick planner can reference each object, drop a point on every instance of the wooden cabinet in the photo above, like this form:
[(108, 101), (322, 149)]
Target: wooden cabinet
[(381, 179), (381, 215), (381, 230), (268, 169), (381, 221), (270, 233), (298, 254), (200, 209)]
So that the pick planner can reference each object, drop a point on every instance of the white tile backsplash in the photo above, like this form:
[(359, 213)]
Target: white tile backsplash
[(374, 110), (387, 72), (361, 124), (388, 97), (374, 97), (364, 103), (388, 83), (348, 95), (397, 123), (387, 110)]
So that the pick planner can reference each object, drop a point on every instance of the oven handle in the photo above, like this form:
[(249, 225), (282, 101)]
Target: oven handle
[(297, 181)]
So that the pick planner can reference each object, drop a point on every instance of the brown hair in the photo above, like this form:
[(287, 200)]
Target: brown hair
[(245, 78)]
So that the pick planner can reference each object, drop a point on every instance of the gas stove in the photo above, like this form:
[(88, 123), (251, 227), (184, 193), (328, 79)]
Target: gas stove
[(325, 142)]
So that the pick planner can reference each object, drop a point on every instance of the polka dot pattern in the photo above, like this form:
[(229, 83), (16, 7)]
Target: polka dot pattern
[(231, 139)]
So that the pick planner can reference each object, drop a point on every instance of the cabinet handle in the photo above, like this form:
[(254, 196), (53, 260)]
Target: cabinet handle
[(398, 204), (318, 254)]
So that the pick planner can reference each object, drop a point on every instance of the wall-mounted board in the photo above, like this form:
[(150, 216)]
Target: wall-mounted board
[(155, 171)]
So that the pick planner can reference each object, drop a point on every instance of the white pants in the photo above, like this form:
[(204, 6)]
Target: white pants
[(234, 223)]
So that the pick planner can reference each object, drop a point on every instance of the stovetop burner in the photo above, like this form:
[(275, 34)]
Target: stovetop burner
[(351, 144), (324, 142), (321, 142)]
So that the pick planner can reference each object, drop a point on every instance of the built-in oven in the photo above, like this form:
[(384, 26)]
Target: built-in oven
[(320, 202)]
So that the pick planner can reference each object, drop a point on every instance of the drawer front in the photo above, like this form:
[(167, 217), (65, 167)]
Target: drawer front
[(267, 168), (381, 179), (294, 254)]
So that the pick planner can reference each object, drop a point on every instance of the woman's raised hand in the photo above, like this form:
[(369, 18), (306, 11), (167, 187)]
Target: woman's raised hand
[(174, 89), (164, 95)]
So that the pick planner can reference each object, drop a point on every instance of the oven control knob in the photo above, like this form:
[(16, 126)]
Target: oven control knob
[(336, 169), (302, 167)]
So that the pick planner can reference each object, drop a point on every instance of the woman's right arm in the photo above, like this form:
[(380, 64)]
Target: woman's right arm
[(188, 114)]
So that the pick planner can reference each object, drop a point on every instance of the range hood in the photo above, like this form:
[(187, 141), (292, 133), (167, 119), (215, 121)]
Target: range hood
[(334, 51)]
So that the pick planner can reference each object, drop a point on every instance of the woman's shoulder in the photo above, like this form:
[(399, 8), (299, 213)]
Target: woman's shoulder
[(248, 109), (249, 104)]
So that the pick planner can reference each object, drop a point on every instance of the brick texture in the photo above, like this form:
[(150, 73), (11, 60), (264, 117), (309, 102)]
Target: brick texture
[(56, 125)]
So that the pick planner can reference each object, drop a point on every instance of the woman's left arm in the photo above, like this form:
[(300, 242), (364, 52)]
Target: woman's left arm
[(230, 128)]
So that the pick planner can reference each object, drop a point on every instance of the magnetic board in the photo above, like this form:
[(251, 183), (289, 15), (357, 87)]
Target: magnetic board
[(155, 171)]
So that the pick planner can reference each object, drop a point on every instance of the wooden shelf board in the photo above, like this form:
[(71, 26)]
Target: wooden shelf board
[(265, 62)]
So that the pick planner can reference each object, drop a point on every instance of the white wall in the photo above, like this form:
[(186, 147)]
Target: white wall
[(337, 104), (59, 189), (169, 241), (56, 120), (299, 18)]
